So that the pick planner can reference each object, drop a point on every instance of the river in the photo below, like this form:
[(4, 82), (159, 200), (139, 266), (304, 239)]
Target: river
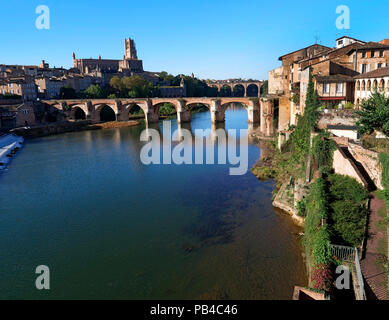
[(109, 227)]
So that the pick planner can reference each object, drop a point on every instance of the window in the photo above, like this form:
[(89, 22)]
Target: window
[(382, 53), (339, 88), (326, 88), (363, 54), (372, 54), (340, 42), (363, 68), (379, 65)]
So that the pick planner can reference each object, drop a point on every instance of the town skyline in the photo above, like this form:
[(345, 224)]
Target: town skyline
[(213, 41)]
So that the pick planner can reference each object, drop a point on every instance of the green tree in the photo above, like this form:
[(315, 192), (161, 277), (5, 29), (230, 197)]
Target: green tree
[(94, 91), (67, 92), (265, 88), (374, 114), (116, 84), (133, 87), (306, 123)]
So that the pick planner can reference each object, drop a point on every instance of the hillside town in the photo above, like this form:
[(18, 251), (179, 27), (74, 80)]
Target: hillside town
[(330, 161), (343, 76)]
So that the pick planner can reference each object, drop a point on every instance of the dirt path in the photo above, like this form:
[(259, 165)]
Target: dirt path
[(372, 265)]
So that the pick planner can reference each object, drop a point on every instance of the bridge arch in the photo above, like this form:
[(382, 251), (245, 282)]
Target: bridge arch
[(189, 106), (78, 112), (238, 90), (252, 90), (164, 108), (225, 91), (132, 108), (105, 112), (224, 106)]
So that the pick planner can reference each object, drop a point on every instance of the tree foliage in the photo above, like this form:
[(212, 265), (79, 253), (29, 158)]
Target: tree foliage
[(94, 91), (131, 87), (323, 151), (348, 212), (374, 114), (306, 123), (67, 92)]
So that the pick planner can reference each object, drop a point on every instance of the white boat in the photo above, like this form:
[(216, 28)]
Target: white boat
[(9, 145)]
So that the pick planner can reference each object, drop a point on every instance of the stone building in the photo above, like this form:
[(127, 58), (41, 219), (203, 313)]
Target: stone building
[(275, 81), (49, 87), (18, 115), (369, 82), (369, 57), (129, 64), (333, 69), (289, 82), (23, 87), (173, 91)]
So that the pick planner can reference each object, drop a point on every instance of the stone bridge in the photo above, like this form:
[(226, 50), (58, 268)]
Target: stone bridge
[(259, 110), (256, 85)]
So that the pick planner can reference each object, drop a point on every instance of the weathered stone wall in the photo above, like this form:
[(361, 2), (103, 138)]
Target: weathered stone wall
[(369, 160), (336, 118), (275, 81), (284, 113), (344, 166)]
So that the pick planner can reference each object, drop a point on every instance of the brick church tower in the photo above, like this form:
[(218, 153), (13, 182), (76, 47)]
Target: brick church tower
[(130, 49)]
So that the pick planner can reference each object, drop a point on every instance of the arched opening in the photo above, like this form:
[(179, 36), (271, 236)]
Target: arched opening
[(238, 91), (236, 115), (107, 114), (166, 110), (363, 85), (225, 91), (135, 112), (358, 85), (252, 90), (382, 85), (79, 114), (375, 85), (369, 85), (197, 107)]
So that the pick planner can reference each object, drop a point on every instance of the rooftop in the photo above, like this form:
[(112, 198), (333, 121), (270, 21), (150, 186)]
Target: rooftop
[(378, 73), (334, 78), (370, 46)]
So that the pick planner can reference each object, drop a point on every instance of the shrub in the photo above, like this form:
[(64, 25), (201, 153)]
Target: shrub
[(384, 160), (321, 246), (302, 207), (346, 188), (349, 221), (323, 151)]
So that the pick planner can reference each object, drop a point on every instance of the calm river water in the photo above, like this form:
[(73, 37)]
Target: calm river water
[(110, 227)]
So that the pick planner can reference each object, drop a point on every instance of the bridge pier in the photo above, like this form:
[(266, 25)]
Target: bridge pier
[(152, 117), (266, 117), (217, 116), (183, 116)]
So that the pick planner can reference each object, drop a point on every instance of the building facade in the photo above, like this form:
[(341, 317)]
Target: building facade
[(377, 80)]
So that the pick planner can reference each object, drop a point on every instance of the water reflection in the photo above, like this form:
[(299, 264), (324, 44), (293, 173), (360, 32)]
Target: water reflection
[(83, 203)]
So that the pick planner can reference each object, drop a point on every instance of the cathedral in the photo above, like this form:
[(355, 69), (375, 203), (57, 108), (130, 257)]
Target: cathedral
[(130, 65)]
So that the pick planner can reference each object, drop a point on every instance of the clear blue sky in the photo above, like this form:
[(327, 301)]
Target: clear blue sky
[(214, 39)]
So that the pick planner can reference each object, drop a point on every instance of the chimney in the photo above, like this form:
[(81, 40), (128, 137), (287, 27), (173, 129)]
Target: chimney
[(385, 41)]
